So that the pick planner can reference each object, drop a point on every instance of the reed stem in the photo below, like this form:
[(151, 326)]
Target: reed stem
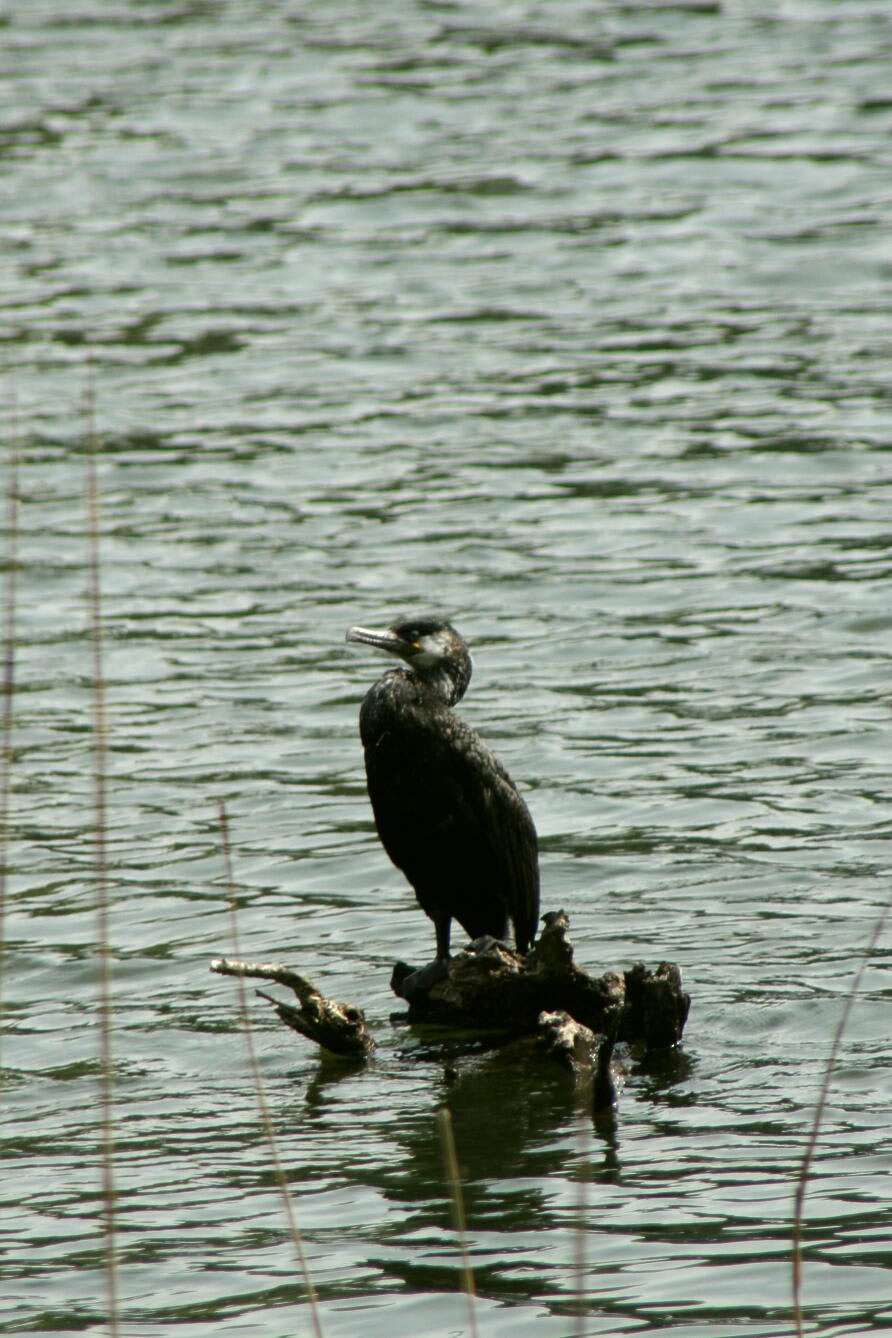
[(453, 1175), (579, 1241), (805, 1168), (9, 615), (104, 987), (262, 1104)]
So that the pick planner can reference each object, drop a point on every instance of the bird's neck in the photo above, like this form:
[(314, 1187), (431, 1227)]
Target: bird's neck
[(448, 680)]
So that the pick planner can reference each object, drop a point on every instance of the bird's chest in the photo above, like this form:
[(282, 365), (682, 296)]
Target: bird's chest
[(413, 758)]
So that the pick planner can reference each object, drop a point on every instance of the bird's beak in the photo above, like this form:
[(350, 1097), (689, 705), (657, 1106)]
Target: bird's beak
[(381, 640)]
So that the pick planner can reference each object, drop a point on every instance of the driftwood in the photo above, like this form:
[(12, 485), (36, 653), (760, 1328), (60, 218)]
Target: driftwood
[(581, 1050), (336, 1027), (490, 987)]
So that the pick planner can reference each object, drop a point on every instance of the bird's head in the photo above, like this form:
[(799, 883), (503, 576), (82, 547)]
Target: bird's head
[(430, 647)]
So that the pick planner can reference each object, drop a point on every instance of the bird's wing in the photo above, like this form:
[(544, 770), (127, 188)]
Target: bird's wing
[(515, 851), (450, 817)]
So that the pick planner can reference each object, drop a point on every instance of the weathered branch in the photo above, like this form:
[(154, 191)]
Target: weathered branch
[(338, 1027)]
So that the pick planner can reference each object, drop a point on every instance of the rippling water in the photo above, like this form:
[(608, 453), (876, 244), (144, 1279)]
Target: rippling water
[(572, 322)]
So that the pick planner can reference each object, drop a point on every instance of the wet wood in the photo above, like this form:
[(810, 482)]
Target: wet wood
[(582, 1051), (337, 1027), (488, 986)]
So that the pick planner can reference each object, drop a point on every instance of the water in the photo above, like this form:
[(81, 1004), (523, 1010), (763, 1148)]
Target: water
[(571, 322)]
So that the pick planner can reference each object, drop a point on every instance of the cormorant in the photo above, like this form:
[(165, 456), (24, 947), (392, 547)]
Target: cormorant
[(447, 812)]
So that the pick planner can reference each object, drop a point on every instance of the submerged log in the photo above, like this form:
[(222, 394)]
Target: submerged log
[(337, 1027)]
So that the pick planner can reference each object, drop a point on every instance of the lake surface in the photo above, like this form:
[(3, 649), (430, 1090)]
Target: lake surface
[(573, 323)]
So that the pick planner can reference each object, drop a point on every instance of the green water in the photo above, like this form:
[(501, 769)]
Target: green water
[(571, 322)]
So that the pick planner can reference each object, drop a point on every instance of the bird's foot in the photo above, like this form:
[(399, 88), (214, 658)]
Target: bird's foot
[(487, 941), (416, 983)]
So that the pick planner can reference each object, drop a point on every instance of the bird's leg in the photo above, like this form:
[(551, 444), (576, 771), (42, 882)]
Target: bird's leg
[(419, 982), (443, 925)]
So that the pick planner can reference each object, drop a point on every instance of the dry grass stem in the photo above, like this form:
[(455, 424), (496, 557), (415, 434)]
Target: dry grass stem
[(262, 1104), (104, 999), (805, 1168), (579, 1234), (450, 1160), (9, 615)]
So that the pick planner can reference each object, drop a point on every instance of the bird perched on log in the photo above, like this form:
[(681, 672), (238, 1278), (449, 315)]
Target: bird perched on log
[(447, 812)]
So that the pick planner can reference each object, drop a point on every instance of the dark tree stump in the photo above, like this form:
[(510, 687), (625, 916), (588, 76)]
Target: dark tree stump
[(490, 986), (656, 1006)]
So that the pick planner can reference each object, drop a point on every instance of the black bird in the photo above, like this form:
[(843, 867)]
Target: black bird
[(447, 812)]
